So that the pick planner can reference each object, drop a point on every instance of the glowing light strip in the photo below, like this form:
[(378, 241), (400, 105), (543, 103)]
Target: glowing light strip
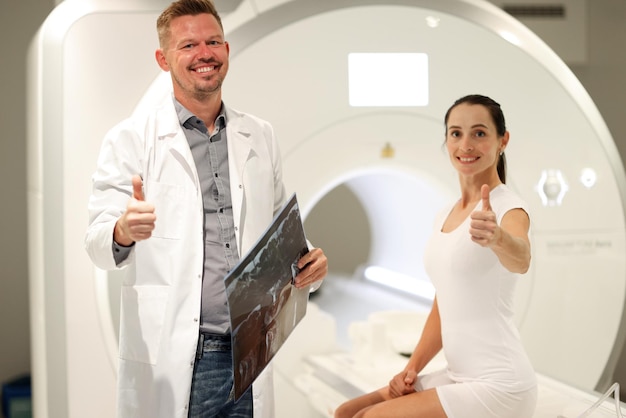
[(399, 281)]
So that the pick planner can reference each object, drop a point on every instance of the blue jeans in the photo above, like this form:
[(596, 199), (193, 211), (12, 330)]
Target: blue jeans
[(212, 383)]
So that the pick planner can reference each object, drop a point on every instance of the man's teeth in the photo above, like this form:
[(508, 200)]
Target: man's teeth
[(205, 69)]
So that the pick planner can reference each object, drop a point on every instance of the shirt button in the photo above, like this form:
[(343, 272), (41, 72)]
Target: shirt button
[(241, 186), (227, 245)]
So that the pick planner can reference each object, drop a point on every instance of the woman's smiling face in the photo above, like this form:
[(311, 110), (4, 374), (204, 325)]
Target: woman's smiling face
[(472, 139)]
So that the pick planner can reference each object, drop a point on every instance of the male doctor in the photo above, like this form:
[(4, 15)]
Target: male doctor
[(179, 194)]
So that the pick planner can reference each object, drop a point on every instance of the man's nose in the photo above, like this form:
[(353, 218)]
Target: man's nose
[(205, 51)]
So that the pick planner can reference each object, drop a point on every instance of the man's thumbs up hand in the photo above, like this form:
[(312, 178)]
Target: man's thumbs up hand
[(137, 223)]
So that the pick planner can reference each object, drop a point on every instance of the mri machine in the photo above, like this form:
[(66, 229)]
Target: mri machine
[(91, 64)]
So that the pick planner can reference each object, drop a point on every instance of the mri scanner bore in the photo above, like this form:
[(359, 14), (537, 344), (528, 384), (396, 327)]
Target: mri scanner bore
[(290, 65)]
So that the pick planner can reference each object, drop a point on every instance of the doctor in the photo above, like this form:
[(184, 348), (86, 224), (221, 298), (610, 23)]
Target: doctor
[(179, 194)]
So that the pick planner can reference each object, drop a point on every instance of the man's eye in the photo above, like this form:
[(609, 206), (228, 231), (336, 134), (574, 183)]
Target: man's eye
[(216, 43)]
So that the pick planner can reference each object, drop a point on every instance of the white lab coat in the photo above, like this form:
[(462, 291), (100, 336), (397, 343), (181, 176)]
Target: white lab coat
[(160, 301)]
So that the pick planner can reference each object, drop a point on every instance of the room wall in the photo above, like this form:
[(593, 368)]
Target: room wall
[(602, 75), (605, 80), (19, 21)]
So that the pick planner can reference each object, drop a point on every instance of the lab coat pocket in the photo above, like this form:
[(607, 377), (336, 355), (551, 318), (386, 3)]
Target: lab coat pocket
[(143, 316), (169, 203)]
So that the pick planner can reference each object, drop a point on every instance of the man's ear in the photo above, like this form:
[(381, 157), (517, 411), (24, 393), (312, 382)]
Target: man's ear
[(160, 59)]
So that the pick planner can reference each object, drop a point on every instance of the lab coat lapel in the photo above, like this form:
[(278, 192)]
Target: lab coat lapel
[(168, 129), (239, 148)]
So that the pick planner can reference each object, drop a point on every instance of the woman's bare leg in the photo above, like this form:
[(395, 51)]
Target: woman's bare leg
[(423, 404), (350, 408)]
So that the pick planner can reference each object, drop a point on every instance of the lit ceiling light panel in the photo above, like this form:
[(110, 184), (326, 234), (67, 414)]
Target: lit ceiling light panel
[(388, 79)]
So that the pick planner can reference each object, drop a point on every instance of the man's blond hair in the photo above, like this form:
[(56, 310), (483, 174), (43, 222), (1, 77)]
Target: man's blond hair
[(183, 8)]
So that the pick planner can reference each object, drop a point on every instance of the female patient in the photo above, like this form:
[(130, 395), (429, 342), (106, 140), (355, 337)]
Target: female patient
[(478, 247)]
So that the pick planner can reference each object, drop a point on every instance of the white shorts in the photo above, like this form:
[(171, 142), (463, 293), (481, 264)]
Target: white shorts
[(478, 399)]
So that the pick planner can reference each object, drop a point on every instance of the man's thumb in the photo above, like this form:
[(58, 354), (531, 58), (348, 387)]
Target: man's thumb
[(137, 187)]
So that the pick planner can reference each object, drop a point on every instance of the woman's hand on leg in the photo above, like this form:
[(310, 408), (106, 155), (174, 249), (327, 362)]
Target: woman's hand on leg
[(402, 384)]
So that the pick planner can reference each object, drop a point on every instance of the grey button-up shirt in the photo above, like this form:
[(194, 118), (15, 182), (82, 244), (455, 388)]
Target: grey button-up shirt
[(210, 153)]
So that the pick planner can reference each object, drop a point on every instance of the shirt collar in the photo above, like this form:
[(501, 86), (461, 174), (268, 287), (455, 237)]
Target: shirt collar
[(190, 121)]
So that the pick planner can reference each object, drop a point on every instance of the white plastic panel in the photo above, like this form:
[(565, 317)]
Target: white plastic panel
[(89, 65)]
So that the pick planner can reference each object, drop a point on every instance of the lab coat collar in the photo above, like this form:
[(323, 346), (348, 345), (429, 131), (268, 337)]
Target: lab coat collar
[(169, 125)]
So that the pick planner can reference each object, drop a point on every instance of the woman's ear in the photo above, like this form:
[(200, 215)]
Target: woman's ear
[(505, 141)]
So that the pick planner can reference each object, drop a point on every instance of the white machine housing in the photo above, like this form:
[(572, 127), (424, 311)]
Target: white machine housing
[(92, 64)]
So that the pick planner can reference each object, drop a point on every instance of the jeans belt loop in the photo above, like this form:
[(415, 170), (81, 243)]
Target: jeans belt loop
[(200, 348)]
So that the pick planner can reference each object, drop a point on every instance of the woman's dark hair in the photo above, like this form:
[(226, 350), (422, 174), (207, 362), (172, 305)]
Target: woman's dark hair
[(498, 119)]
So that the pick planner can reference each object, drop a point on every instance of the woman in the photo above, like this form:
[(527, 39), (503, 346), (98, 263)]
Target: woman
[(478, 248)]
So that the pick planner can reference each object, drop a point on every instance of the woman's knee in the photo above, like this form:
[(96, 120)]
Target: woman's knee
[(345, 410), (355, 407)]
